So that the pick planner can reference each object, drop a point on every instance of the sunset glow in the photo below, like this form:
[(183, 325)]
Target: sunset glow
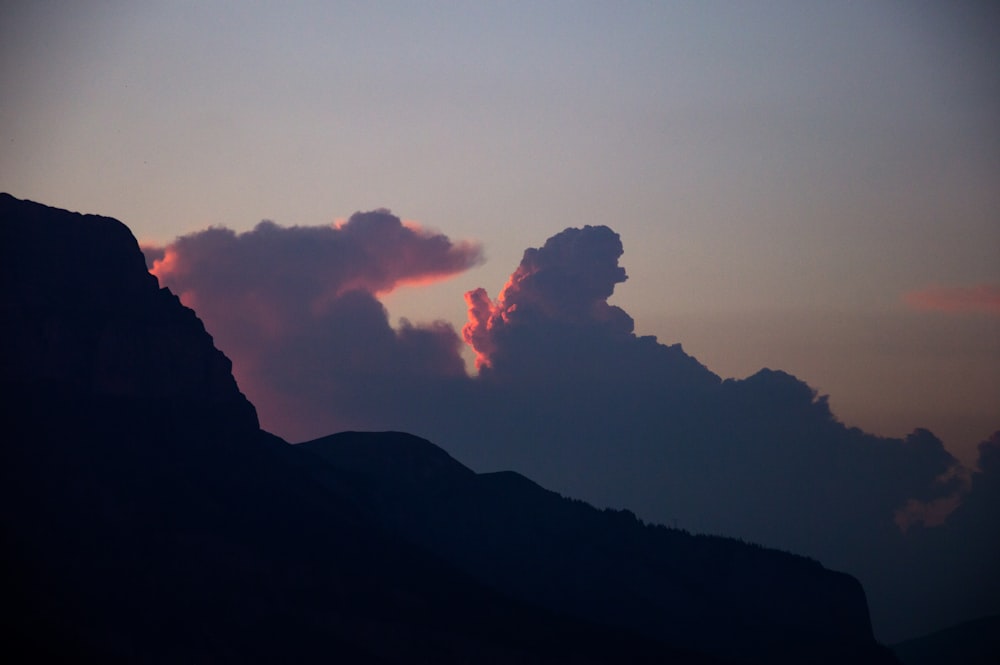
[(166, 266), (982, 298)]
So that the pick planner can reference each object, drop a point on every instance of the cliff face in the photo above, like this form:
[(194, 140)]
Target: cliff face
[(82, 314)]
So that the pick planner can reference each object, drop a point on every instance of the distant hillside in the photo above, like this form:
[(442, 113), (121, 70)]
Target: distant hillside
[(703, 593), (147, 519), (970, 643)]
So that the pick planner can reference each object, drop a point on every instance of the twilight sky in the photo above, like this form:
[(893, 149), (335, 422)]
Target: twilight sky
[(807, 186)]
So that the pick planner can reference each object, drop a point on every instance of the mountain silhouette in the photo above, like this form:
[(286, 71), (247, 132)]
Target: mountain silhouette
[(705, 593), (970, 643), (148, 519)]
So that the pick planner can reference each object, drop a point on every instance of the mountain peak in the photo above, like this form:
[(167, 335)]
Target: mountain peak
[(397, 457), (85, 315)]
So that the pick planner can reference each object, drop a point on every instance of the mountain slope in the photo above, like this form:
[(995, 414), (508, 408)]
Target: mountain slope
[(971, 643), (711, 594)]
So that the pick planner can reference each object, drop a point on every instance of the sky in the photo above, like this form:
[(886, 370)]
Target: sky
[(798, 185), (542, 187)]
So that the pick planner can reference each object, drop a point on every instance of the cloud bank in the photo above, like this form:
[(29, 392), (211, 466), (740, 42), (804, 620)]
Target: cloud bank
[(567, 394)]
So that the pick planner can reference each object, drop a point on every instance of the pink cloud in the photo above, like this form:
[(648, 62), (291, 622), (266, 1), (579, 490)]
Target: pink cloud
[(955, 299), (568, 281), (296, 309)]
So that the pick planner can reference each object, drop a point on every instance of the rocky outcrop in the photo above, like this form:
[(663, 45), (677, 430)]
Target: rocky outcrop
[(82, 314)]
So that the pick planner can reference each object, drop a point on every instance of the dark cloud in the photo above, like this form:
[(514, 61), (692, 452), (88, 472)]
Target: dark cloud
[(946, 573), (566, 394), (976, 517)]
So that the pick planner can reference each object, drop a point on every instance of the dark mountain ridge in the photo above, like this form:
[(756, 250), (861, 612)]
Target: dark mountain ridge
[(974, 642), (147, 518), (705, 593)]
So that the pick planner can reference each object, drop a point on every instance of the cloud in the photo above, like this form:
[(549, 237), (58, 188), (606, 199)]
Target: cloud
[(983, 298), (936, 512), (947, 573), (296, 309), (565, 282), (976, 517), (373, 252), (580, 403), (570, 396), (567, 393)]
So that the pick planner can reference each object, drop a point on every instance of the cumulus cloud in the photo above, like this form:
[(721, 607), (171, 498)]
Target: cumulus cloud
[(372, 252), (567, 393), (567, 281), (983, 298), (296, 309)]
